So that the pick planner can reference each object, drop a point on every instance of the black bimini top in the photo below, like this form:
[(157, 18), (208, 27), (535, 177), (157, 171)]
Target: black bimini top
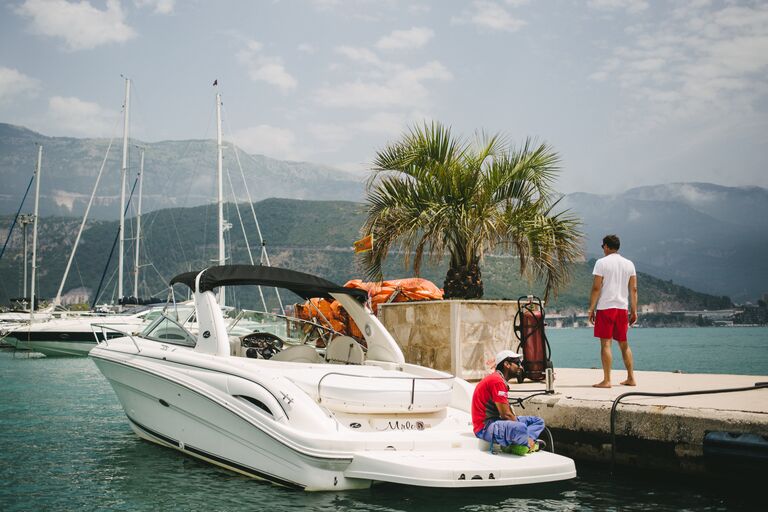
[(304, 285)]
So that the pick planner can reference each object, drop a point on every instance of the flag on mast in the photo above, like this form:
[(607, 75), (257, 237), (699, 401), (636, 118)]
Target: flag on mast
[(365, 244)]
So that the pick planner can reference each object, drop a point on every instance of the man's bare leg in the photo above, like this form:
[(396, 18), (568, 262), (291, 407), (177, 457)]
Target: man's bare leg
[(626, 354), (607, 358)]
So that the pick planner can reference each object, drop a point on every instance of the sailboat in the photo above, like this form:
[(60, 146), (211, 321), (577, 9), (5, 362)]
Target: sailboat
[(74, 334)]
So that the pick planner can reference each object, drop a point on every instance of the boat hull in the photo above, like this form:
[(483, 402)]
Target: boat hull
[(195, 409), (199, 423), (56, 344)]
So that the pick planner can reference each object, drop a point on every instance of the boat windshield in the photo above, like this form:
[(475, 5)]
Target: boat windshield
[(293, 331), (167, 330)]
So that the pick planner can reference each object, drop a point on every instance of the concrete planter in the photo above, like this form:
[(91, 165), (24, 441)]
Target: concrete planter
[(456, 336)]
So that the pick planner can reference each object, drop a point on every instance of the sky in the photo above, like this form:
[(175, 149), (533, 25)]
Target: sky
[(628, 92)]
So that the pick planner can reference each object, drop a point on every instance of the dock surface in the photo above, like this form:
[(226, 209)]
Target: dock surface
[(651, 432)]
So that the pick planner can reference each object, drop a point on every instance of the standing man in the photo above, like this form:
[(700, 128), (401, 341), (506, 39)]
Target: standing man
[(615, 285), (493, 419)]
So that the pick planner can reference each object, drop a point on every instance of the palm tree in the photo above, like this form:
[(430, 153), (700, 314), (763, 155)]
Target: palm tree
[(432, 193)]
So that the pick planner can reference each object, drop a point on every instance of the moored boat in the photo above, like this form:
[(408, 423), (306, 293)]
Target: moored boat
[(317, 411)]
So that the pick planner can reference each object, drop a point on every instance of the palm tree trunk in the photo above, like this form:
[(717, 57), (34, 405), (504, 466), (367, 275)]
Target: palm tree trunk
[(463, 282)]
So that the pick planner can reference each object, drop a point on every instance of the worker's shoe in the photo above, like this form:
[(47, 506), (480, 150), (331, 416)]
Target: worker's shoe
[(515, 449)]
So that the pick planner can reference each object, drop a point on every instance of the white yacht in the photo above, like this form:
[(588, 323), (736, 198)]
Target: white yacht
[(277, 407), (75, 334)]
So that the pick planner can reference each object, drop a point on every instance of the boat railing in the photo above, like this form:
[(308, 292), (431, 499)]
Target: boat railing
[(413, 380), (105, 328)]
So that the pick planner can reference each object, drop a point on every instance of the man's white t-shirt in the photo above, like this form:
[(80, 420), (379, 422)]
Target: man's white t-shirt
[(615, 271)]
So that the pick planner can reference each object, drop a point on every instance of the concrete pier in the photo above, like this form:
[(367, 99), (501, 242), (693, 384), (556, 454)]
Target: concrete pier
[(651, 432)]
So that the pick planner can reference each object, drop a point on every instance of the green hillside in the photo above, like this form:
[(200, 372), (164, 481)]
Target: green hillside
[(312, 236)]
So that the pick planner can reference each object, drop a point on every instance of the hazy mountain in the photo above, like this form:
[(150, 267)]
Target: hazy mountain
[(176, 173), (746, 206), (707, 237), (311, 236)]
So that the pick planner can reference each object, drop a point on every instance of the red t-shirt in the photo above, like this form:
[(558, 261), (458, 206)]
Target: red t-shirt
[(489, 391)]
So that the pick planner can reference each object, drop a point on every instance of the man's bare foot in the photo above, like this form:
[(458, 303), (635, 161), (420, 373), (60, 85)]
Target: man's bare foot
[(602, 384), (628, 382)]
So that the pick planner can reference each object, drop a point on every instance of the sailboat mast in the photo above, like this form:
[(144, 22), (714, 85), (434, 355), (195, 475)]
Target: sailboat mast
[(220, 179), (138, 231), (123, 172), (34, 228)]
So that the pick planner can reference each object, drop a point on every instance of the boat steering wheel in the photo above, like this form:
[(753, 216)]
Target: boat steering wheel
[(261, 345)]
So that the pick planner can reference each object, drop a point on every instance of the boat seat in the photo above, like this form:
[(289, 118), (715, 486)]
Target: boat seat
[(344, 350), (298, 354)]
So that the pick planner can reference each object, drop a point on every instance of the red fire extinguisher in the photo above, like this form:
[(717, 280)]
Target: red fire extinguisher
[(533, 343)]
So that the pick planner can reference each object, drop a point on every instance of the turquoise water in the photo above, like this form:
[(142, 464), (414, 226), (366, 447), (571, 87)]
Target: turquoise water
[(735, 350), (66, 445)]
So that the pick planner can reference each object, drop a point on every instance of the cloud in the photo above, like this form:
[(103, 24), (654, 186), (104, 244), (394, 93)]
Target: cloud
[(266, 68), (80, 25), (391, 124), (419, 8), (700, 62), (489, 15), (268, 140), (632, 6), (325, 4), (402, 87), (333, 136), (161, 6), (362, 55), (415, 37), (74, 116), (13, 83), (306, 48)]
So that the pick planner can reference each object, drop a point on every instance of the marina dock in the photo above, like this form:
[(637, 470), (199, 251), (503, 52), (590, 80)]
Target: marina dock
[(655, 433)]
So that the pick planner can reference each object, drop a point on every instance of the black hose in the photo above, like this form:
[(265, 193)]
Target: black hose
[(519, 401), (757, 385)]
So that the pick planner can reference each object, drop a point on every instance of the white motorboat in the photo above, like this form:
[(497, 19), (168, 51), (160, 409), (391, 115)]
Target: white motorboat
[(333, 419), (73, 334)]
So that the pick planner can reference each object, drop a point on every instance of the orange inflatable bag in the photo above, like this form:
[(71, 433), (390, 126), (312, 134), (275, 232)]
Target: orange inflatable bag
[(393, 290)]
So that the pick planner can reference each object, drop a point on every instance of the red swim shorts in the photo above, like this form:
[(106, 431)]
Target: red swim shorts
[(612, 323)]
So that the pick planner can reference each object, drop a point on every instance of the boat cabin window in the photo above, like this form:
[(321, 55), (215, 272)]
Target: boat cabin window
[(168, 331)]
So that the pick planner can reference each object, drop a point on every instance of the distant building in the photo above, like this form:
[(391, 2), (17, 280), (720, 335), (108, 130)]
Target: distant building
[(76, 296)]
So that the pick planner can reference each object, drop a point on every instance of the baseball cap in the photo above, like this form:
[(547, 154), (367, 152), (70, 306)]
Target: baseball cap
[(506, 354)]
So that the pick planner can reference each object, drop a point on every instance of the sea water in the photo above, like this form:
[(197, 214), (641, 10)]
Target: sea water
[(66, 445), (725, 350)]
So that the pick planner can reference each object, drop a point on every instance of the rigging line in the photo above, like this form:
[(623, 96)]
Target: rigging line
[(245, 235), (13, 224), (112, 250), (264, 256), (162, 277), (57, 299), (109, 283), (178, 237), (172, 175)]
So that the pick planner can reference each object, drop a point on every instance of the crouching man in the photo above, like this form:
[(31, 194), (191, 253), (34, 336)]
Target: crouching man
[(492, 417)]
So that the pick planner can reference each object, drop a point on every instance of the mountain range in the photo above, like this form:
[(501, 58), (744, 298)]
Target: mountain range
[(176, 174), (311, 236), (706, 237)]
